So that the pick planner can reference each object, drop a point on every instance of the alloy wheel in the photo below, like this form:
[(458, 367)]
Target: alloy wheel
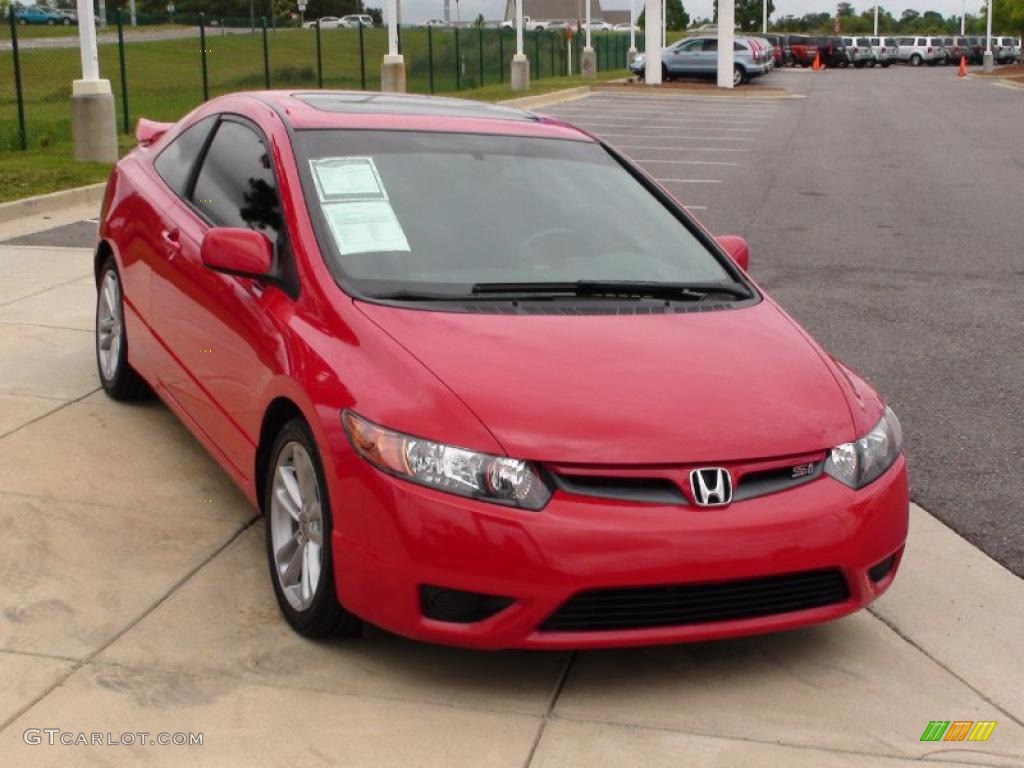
[(296, 526), (109, 325)]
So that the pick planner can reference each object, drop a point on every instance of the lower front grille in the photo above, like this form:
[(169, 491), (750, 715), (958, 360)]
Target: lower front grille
[(667, 606)]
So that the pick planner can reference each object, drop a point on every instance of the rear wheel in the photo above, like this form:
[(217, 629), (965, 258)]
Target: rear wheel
[(915, 60), (298, 522), (739, 75), (120, 381)]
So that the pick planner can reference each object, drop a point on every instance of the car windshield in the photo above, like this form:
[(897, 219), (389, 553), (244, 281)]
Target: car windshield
[(441, 212)]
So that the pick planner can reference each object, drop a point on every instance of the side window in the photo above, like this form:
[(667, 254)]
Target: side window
[(738, 47), (175, 161), (711, 44), (236, 186)]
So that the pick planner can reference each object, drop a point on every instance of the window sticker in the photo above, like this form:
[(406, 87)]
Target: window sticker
[(365, 226), (356, 206), (340, 178)]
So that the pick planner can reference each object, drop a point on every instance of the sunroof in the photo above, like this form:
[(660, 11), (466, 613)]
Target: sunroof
[(393, 104)]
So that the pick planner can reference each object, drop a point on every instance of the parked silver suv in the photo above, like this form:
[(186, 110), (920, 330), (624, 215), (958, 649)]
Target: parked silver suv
[(920, 50), (883, 50), (698, 56), (858, 51)]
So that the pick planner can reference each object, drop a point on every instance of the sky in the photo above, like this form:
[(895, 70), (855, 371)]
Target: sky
[(414, 11)]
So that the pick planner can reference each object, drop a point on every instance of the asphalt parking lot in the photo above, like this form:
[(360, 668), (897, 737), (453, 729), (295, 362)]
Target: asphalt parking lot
[(883, 210), (136, 590)]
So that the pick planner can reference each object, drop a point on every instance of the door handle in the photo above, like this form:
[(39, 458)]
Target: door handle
[(172, 242)]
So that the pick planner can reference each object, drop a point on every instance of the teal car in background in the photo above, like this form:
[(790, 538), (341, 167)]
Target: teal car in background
[(38, 15)]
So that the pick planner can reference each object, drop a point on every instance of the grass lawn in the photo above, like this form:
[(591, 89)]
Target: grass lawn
[(165, 82)]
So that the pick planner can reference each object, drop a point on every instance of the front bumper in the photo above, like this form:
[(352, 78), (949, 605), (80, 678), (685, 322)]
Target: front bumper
[(391, 537)]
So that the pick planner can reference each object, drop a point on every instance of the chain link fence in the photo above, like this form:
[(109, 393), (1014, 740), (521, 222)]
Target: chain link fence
[(162, 67)]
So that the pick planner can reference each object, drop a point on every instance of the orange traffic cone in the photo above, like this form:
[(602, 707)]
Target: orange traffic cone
[(817, 62), (963, 66)]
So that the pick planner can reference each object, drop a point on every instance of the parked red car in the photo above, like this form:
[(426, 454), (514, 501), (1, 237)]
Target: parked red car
[(489, 383)]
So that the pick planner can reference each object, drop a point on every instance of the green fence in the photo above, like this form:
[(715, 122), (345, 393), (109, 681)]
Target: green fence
[(161, 70)]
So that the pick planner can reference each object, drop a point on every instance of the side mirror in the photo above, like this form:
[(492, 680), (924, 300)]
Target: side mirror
[(736, 247), (237, 251)]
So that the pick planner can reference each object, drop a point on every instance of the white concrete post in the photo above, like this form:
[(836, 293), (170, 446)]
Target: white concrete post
[(392, 69), (726, 58), (876, 18), (93, 130), (988, 39), (520, 64), (131, 13), (664, 21), (588, 62), (632, 32), (653, 43), (764, 18), (963, 17)]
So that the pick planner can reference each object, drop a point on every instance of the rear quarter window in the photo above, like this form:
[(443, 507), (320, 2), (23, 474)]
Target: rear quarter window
[(175, 162)]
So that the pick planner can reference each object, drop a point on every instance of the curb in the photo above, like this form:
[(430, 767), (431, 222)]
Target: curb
[(741, 94), (547, 99), (54, 201)]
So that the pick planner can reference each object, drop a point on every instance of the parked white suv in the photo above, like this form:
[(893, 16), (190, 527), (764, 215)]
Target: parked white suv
[(1009, 50), (884, 50), (354, 20), (920, 50), (858, 51)]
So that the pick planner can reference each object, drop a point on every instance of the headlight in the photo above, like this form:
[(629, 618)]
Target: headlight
[(497, 479), (857, 464)]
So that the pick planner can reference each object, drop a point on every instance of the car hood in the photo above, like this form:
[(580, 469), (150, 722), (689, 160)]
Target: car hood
[(636, 389)]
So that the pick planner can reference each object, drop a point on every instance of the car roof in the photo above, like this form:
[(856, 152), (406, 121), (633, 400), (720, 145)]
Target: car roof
[(393, 111)]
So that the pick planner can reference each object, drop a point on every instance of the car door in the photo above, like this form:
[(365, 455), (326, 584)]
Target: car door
[(218, 326), (681, 58)]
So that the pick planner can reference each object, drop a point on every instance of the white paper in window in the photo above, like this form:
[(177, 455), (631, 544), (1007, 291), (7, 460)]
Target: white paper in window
[(365, 227), (356, 206), (340, 178)]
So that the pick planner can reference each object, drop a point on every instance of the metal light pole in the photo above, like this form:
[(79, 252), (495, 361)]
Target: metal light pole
[(653, 43), (392, 69), (764, 18), (876, 19), (93, 128), (664, 20), (963, 17), (632, 32), (726, 58), (988, 39), (520, 64)]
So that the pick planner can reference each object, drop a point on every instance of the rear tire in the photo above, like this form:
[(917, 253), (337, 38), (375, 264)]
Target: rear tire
[(915, 60), (298, 523), (120, 381), (739, 75)]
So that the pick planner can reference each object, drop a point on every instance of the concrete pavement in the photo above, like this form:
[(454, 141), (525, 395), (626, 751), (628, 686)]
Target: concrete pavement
[(136, 598)]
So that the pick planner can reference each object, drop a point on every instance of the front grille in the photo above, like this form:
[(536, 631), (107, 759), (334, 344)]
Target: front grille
[(668, 606)]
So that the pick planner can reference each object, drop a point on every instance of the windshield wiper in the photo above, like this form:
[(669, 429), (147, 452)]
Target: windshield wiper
[(627, 288)]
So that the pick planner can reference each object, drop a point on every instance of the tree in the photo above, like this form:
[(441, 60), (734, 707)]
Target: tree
[(376, 15), (676, 16), (748, 14)]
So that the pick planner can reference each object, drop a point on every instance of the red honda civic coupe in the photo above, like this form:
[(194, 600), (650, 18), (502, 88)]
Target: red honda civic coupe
[(489, 383)]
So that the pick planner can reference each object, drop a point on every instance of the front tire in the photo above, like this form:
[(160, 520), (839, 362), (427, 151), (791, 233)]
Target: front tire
[(120, 381), (298, 523)]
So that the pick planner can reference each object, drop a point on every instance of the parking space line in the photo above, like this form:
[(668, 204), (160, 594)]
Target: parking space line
[(690, 181), (589, 111), (644, 161), (588, 126), (633, 135), (681, 149), (628, 122)]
